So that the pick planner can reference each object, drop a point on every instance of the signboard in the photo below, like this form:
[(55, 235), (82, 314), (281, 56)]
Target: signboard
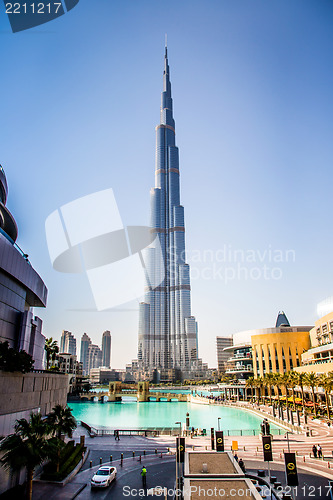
[(291, 469), (219, 441), (234, 445), (180, 449), (267, 448), (212, 434)]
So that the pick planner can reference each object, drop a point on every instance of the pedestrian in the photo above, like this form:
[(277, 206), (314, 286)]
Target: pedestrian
[(116, 435), (241, 465), (319, 451), (144, 477), (314, 450), (236, 457)]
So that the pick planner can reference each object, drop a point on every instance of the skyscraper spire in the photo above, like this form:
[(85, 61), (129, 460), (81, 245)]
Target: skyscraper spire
[(167, 331)]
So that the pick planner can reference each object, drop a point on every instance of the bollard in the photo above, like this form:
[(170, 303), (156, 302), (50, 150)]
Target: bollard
[(296, 452), (304, 458), (100, 461), (155, 451), (161, 455), (168, 450), (328, 465), (206, 447), (243, 448), (144, 452), (193, 447), (121, 459), (257, 448), (133, 453), (90, 464), (110, 458)]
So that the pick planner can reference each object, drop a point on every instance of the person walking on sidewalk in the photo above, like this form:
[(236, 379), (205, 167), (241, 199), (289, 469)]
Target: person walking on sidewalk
[(320, 451), (314, 451), (241, 465), (144, 477)]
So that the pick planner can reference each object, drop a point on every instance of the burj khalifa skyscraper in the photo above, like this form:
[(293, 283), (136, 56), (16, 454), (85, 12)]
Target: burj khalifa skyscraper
[(168, 335)]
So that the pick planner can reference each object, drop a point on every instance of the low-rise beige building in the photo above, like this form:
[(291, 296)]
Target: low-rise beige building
[(319, 357)]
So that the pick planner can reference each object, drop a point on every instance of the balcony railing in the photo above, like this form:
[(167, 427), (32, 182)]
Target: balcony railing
[(240, 369)]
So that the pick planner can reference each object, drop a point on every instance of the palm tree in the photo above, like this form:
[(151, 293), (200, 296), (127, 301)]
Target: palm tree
[(293, 381), (300, 377), (326, 382), (277, 383), (284, 381), (250, 383), (311, 380), (260, 385), (61, 421), (268, 382), (28, 447), (51, 348)]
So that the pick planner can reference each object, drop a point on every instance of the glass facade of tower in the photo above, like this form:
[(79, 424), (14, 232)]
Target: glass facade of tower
[(167, 330)]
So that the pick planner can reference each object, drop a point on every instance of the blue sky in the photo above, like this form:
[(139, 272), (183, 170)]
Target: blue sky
[(252, 87)]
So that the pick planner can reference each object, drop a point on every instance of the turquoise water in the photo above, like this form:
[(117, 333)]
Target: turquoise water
[(132, 415)]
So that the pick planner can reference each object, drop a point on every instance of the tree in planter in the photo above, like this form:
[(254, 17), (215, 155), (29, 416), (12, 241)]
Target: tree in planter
[(12, 360), (52, 349), (61, 421), (27, 448)]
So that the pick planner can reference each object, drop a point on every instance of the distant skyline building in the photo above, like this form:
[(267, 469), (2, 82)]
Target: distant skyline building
[(222, 356), (68, 343), (94, 357), (84, 353), (106, 349), (167, 336)]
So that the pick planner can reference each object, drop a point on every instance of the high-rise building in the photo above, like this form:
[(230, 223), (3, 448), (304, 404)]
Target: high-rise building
[(68, 343), (84, 353), (94, 357), (167, 329), (222, 356), (21, 289), (106, 349)]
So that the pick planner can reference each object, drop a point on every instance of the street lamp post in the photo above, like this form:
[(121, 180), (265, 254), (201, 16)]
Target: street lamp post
[(287, 435), (178, 470), (218, 423)]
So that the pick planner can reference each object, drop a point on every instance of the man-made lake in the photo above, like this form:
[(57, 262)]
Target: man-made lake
[(132, 415)]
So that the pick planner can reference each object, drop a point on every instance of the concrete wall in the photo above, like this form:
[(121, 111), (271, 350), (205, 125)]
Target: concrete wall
[(21, 393)]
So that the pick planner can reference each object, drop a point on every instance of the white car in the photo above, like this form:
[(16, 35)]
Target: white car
[(103, 477)]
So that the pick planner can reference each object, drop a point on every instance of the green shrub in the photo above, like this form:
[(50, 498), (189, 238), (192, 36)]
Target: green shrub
[(71, 458)]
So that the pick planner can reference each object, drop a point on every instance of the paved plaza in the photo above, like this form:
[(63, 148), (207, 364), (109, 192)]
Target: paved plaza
[(314, 474)]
